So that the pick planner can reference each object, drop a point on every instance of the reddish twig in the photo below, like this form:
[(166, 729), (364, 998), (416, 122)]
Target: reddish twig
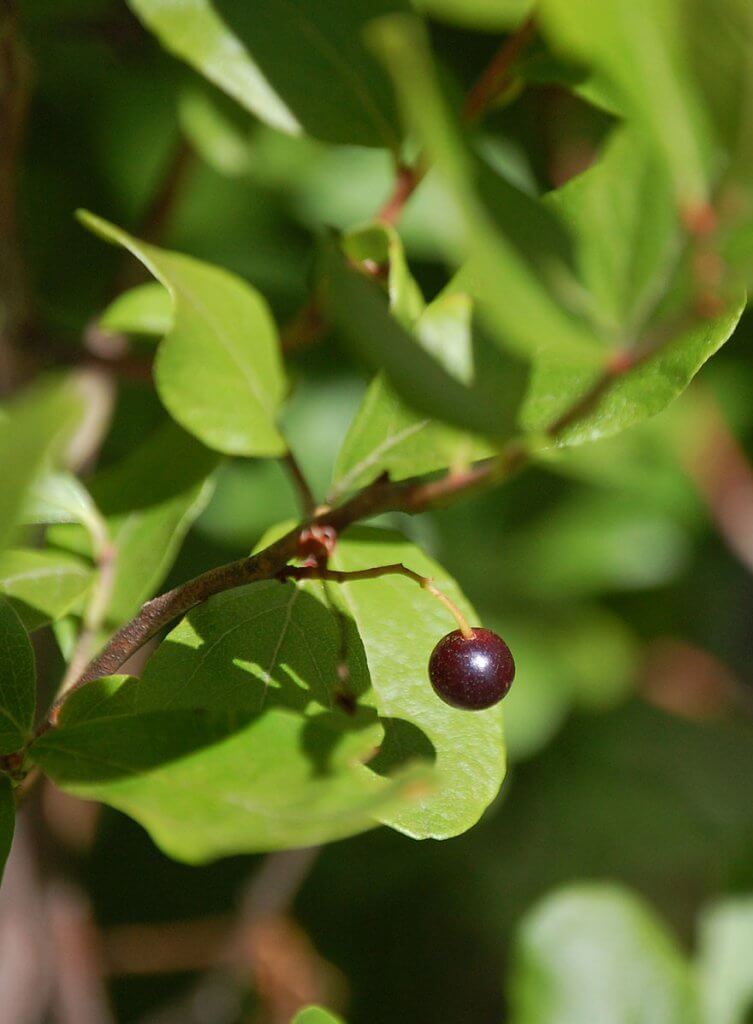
[(499, 72), (308, 324)]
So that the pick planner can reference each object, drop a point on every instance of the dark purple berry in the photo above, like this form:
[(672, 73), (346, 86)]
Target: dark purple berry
[(471, 673)]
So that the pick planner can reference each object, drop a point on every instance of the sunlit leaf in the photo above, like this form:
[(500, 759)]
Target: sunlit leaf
[(218, 370), (399, 625), (43, 585)]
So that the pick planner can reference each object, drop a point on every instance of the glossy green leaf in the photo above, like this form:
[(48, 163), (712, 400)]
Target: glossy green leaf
[(148, 512), (7, 820), (725, 977), (29, 433), (194, 31), (489, 405), (299, 66), (232, 741), (595, 953), (634, 395), (42, 586), (642, 48), (387, 436), (144, 309), (399, 625), (490, 15), (218, 370), (17, 682), (316, 1015)]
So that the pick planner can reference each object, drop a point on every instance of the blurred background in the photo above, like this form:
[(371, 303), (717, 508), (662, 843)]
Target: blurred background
[(619, 573)]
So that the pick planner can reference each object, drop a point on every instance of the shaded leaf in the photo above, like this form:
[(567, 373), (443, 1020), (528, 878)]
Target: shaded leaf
[(626, 233), (17, 682), (489, 405), (313, 54), (232, 741), (387, 436), (298, 66), (641, 48), (399, 625), (218, 370), (525, 315), (380, 246), (489, 15), (42, 586), (193, 30), (148, 512)]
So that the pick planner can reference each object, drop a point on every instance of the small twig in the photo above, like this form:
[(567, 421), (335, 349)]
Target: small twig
[(315, 572), (306, 496), (309, 323), (310, 572), (407, 181), (499, 73), (411, 496)]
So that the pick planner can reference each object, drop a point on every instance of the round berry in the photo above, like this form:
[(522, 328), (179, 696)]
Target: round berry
[(471, 673)]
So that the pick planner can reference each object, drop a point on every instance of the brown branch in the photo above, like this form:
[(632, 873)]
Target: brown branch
[(303, 490), (411, 496)]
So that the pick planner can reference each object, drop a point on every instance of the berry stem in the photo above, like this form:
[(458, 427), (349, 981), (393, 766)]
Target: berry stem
[(315, 572)]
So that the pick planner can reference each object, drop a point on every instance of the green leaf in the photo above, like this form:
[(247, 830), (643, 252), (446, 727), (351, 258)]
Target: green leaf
[(489, 405), (62, 498), (524, 311), (218, 370), (489, 15), (145, 309), (725, 969), (232, 741), (595, 953), (7, 820), (380, 245), (17, 682), (387, 436), (216, 138), (193, 31), (626, 233), (29, 433), (148, 513), (42, 586), (298, 66), (313, 54), (316, 1015), (642, 48), (632, 396), (399, 625)]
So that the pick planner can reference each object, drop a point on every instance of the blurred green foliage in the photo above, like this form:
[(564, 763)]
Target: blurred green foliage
[(600, 564)]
